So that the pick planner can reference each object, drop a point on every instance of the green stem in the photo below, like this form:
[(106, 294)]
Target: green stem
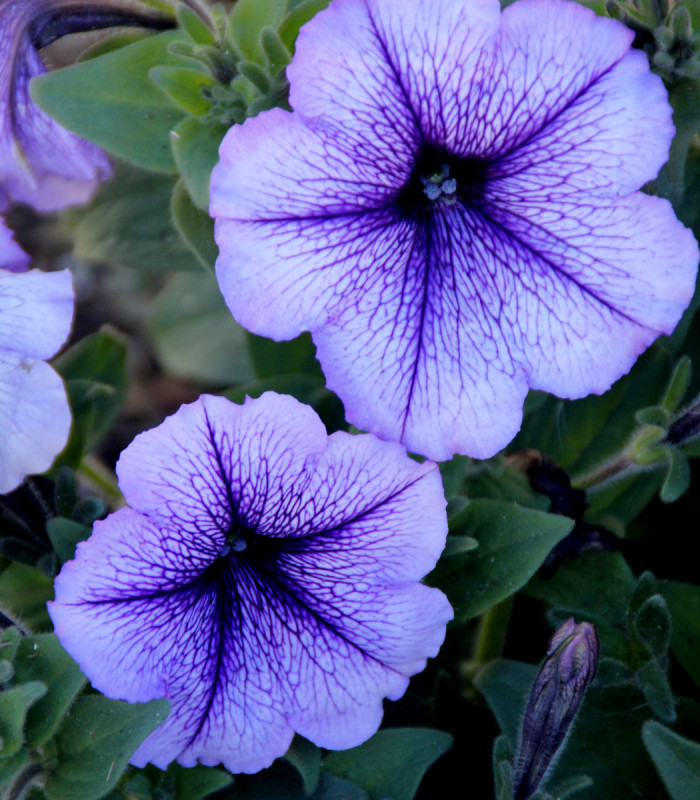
[(603, 473), (94, 473), (23, 782), (491, 633)]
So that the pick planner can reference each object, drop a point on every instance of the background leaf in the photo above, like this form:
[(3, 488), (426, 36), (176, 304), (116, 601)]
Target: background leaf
[(391, 763), (677, 760), (111, 101), (513, 543)]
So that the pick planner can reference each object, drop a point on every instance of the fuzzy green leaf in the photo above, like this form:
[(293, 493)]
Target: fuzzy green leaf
[(676, 758), (95, 743), (110, 100), (513, 543), (41, 657), (392, 763)]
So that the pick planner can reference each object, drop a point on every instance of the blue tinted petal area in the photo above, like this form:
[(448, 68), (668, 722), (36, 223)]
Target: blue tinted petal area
[(205, 469), (36, 312), (421, 356)]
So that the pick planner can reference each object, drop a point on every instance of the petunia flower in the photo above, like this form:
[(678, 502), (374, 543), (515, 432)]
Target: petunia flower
[(36, 312), (41, 163), (264, 580), (451, 210)]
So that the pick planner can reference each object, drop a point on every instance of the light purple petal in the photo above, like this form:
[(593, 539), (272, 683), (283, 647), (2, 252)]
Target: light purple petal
[(34, 418), (36, 312), (580, 111), (41, 163), (595, 282), (12, 257), (302, 622), (204, 476), (511, 254), (382, 70)]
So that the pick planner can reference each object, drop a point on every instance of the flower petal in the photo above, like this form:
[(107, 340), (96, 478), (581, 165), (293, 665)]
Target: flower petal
[(576, 112), (203, 473), (588, 273), (36, 311), (35, 418), (41, 163), (305, 627), (382, 70), (12, 257)]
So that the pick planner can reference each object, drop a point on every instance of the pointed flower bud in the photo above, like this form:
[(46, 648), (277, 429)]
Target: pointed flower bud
[(570, 665)]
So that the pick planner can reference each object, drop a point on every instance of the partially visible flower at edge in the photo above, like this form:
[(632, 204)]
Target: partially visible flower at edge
[(452, 210), (41, 163), (570, 666), (36, 313), (265, 579)]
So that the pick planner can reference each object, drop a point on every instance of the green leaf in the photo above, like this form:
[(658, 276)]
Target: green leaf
[(655, 686), (11, 767), (94, 370), (596, 585), (95, 743), (581, 434), (676, 759), (305, 757), (110, 100), (25, 592), (293, 21), (199, 782), (392, 763), (194, 25), (684, 98), (195, 335), (195, 227), (129, 223), (65, 534), (652, 624), (195, 145), (684, 604), (513, 543), (246, 22), (14, 706), (271, 358), (331, 787), (677, 480), (42, 658), (184, 85)]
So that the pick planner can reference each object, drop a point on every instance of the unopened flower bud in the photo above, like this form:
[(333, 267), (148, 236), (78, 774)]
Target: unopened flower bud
[(570, 665)]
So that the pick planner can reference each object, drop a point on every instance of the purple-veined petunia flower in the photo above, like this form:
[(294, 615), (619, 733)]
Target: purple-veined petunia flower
[(451, 210), (41, 163), (265, 579), (36, 312)]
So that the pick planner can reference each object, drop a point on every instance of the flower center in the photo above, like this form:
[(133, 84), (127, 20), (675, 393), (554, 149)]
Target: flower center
[(235, 540), (438, 186), (439, 180)]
